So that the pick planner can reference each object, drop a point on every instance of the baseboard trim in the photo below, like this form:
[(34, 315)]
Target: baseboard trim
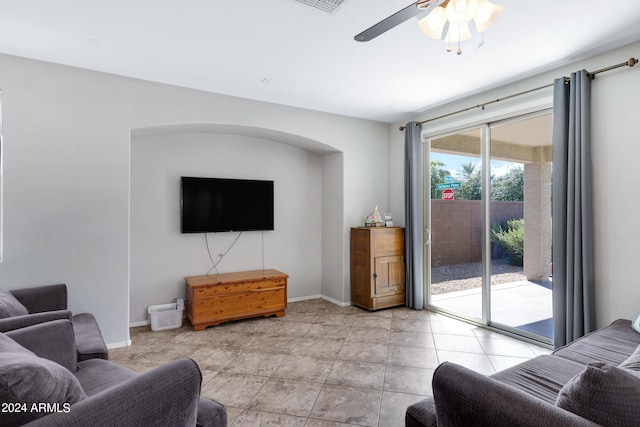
[(142, 323), (335, 301), (324, 297), (119, 344), (297, 299)]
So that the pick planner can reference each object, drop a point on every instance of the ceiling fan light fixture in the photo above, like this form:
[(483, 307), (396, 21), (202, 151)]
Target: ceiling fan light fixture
[(450, 20), (461, 11), (458, 33), (433, 24), (486, 15)]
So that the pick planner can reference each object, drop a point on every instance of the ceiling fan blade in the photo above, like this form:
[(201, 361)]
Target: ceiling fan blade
[(390, 22)]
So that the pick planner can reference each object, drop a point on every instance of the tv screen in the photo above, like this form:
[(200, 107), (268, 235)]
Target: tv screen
[(219, 204)]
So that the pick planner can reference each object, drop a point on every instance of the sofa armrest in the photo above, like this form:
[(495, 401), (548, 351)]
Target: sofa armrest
[(53, 340), (466, 398), (167, 395), (421, 414), (42, 298), (17, 322), (89, 341), (211, 413)]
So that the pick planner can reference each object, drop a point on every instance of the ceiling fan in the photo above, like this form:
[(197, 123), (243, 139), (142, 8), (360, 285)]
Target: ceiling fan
[(453, 21), (414, 9)]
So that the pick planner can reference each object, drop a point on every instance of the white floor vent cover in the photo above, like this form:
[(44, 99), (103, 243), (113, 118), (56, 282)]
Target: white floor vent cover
[(329, 6)]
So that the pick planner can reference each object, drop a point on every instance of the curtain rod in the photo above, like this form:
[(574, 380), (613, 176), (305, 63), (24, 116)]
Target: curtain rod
[(630, 63)]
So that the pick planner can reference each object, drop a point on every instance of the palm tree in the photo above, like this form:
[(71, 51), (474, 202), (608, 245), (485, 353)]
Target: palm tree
[(471, 185), (467, 170)]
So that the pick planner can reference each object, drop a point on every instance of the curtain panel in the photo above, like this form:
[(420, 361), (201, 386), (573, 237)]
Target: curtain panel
[(573, 277), (414, 224)]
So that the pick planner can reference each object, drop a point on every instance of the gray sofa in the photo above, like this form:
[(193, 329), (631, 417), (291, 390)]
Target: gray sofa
[(38, 366), (30, 306), (593, 381)]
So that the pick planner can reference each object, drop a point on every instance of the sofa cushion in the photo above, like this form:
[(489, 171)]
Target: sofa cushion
[(612, 344), (541, 377), (633, 361), (10, 306), (605, 394), (37, 386)]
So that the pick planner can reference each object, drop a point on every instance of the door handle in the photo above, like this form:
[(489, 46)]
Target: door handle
[(375, 275), (427, 236)]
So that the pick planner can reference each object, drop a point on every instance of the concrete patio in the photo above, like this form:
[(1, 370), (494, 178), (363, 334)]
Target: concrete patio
[(523, 305)]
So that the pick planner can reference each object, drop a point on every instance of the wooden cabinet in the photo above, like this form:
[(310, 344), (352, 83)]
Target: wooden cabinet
[(377, 267), (217, 298)]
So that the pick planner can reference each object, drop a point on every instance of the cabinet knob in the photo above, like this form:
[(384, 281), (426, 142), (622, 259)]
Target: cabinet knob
[(375, 275)]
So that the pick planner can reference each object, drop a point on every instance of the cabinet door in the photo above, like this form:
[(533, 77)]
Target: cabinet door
[(389, 274)]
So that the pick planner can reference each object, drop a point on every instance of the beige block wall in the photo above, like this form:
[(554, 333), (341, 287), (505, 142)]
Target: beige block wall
[(456, 228)]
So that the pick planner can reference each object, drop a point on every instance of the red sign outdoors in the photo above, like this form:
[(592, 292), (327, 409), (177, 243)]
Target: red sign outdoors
[(447, 194)]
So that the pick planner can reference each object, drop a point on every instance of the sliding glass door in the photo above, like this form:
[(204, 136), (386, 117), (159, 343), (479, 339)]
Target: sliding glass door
[(488, 221), (520, 226), (455, 214)]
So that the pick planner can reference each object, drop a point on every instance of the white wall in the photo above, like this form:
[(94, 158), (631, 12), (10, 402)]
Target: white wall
[(66, 147), (333, 224), (161, 256), (615, 149)]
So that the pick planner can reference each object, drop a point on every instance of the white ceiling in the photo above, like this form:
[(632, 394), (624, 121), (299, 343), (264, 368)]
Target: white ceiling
[(285, 52)]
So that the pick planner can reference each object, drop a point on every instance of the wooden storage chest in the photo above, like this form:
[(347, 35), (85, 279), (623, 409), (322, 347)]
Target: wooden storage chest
[(217, 298)]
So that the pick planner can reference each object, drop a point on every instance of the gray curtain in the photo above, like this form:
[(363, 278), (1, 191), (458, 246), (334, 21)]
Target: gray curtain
[(573, 278), (413, 206)]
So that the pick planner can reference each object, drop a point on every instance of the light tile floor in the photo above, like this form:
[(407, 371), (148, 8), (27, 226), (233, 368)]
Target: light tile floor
[(325, 365)]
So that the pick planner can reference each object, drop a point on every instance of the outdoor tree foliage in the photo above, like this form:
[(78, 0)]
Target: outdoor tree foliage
[(438, 172), (471, 183), (509, 187)]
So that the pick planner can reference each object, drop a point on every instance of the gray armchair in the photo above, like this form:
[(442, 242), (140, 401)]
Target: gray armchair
[(42, 298), (44, 303), (115, 395), (47, 303)]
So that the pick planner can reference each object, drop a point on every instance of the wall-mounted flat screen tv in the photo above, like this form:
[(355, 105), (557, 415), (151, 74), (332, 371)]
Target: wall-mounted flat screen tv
[(220, 204)]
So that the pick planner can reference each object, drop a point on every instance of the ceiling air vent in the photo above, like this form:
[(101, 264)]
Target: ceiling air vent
[(328, 6)]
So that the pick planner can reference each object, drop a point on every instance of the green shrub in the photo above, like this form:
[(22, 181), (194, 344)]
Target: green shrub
[(510, 237)]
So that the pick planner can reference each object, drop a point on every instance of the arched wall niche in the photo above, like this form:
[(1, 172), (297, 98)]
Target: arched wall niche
[(240, 130), (307, 243)]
